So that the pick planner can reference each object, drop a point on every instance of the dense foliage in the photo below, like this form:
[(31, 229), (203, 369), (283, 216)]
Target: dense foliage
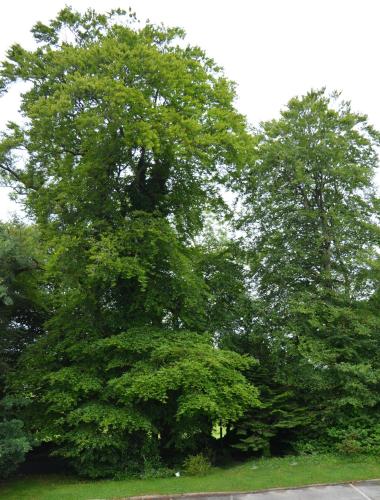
[(133, 327), (123, 402), (14, 444), (127, 137), (311, 219), (22, 311)]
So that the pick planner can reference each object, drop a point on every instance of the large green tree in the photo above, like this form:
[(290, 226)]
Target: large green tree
[(311, 216), (127, 135)]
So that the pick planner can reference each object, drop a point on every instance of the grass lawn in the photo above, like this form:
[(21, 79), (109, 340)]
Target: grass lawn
[(253, 475)]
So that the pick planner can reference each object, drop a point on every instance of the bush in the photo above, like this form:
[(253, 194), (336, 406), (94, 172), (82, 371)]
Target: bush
[(14, 444), (354, 440), (197, 465), (157, 472), (155, 404), (350, 445), (320, 445), (145, 464)]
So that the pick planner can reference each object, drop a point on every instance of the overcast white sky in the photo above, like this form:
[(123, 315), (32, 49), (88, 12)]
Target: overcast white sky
[(273, 49)]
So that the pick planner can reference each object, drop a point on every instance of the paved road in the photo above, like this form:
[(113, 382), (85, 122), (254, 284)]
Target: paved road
[(362, 490)]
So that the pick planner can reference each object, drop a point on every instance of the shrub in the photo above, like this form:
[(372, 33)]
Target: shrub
[(362, 437), (350, 445), (157, 472), (14, 444), (197, 465), (132, 399)]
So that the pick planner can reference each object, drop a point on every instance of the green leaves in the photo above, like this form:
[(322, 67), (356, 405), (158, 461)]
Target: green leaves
[(154, 385), (128, 141), (153, 122), (21, 298), (311, 215), (165, 363), (14, 444)]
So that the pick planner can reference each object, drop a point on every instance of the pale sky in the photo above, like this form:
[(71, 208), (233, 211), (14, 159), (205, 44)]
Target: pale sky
[(273, 49)]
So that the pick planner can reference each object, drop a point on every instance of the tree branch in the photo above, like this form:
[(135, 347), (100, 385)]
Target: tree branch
[(11, 172)]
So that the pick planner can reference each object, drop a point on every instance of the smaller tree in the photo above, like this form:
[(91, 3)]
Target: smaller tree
[(14, 444), (312, 223), (119, 403)]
